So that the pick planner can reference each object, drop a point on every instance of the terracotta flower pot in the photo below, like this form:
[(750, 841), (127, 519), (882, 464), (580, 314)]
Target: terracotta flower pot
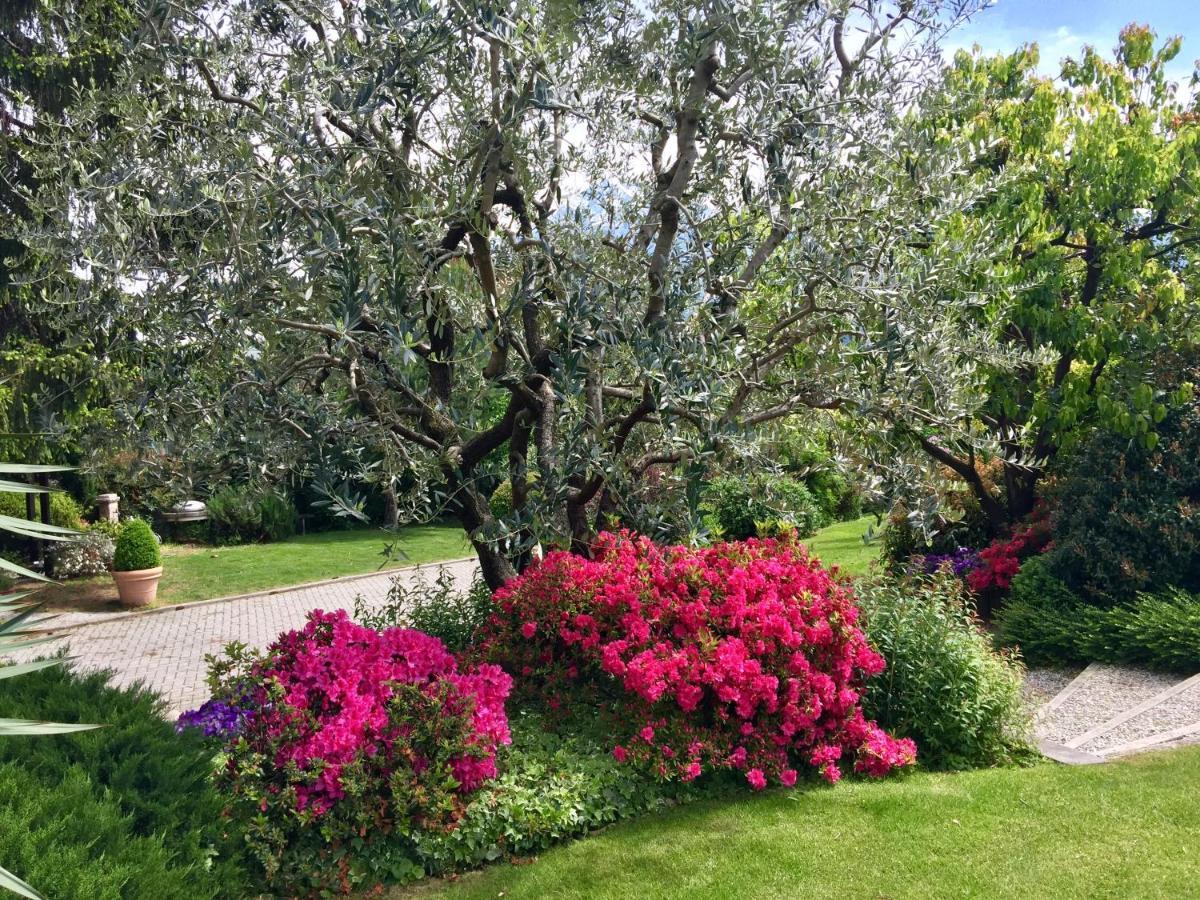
[(138, 588)]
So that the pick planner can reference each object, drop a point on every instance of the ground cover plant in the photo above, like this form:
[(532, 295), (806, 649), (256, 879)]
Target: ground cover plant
[(1053, 625), (552, 786)]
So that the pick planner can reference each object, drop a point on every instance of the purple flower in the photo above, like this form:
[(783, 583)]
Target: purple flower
[(960, 562), (214, 719)]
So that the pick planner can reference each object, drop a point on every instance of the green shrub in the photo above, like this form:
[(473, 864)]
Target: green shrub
[(277, 517), (1127, 518), (67, 843), (1161, 630), (248, 514), (440, 609), (137, 548), (89, 554), (1042, 616), (805, 458), (501, 500), (944, 686), (1053, 626), (735, 506), (122, 811), (900, 541), (233, 516), (109, 529)]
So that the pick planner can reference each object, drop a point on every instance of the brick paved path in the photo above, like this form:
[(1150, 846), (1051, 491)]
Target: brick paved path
[(165, 648)]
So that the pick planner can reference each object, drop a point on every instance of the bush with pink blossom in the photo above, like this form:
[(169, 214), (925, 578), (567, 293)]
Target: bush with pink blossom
[(742, 656), (349, 737)]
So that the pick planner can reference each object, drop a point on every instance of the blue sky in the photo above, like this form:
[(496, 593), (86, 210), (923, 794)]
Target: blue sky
[(1062, 27)]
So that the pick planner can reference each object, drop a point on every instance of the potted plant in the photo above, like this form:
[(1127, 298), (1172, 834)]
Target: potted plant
[(137, 564)]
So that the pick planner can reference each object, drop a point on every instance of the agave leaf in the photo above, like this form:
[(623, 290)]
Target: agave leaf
[(7, 468), (37, 534), (11, 727), (21, 570), (17, 886), (22, 668), (20, 487), (9, 625), (7, 646), (30, 525)]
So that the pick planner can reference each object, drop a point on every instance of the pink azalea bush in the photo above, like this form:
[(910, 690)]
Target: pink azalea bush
[(741, 656), (352, 734), (1000, 561)]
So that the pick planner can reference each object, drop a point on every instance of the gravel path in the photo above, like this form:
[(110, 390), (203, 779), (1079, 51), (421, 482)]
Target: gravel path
[(1103, 691), (1043, 685), (1172, 712), (165, 648)]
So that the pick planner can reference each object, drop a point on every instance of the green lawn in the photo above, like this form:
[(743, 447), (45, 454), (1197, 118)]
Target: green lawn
[(201, 573), (1126, 829), (841, 544)]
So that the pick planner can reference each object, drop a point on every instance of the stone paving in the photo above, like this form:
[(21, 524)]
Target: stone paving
[(165, 648)]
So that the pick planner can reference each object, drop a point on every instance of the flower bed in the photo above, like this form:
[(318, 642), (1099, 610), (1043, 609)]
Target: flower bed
[(741, 656)]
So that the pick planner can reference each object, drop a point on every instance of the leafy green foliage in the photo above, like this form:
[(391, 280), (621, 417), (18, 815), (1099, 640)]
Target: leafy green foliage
[(74, 843), (1090, 224), (552, 787), (440, 608), (445, 277), (1053, 626), (65, 512), (501, 500), (1127, 516), (836, 495), (944, 685), (737, 506), (137, 548), (148, 784), (249, 514), (57, 386)]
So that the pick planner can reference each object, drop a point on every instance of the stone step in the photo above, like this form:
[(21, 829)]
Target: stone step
[(1175, 713), (1064, 754), (1099, 694)]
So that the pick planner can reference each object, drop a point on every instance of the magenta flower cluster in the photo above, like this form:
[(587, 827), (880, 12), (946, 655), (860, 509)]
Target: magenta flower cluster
[(343, 708), (742, 655)]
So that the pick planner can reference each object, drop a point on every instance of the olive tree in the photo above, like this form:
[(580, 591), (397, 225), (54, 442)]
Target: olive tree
[(602, 243)]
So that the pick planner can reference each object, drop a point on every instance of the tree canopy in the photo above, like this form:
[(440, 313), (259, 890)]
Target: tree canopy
[(594, 250)]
